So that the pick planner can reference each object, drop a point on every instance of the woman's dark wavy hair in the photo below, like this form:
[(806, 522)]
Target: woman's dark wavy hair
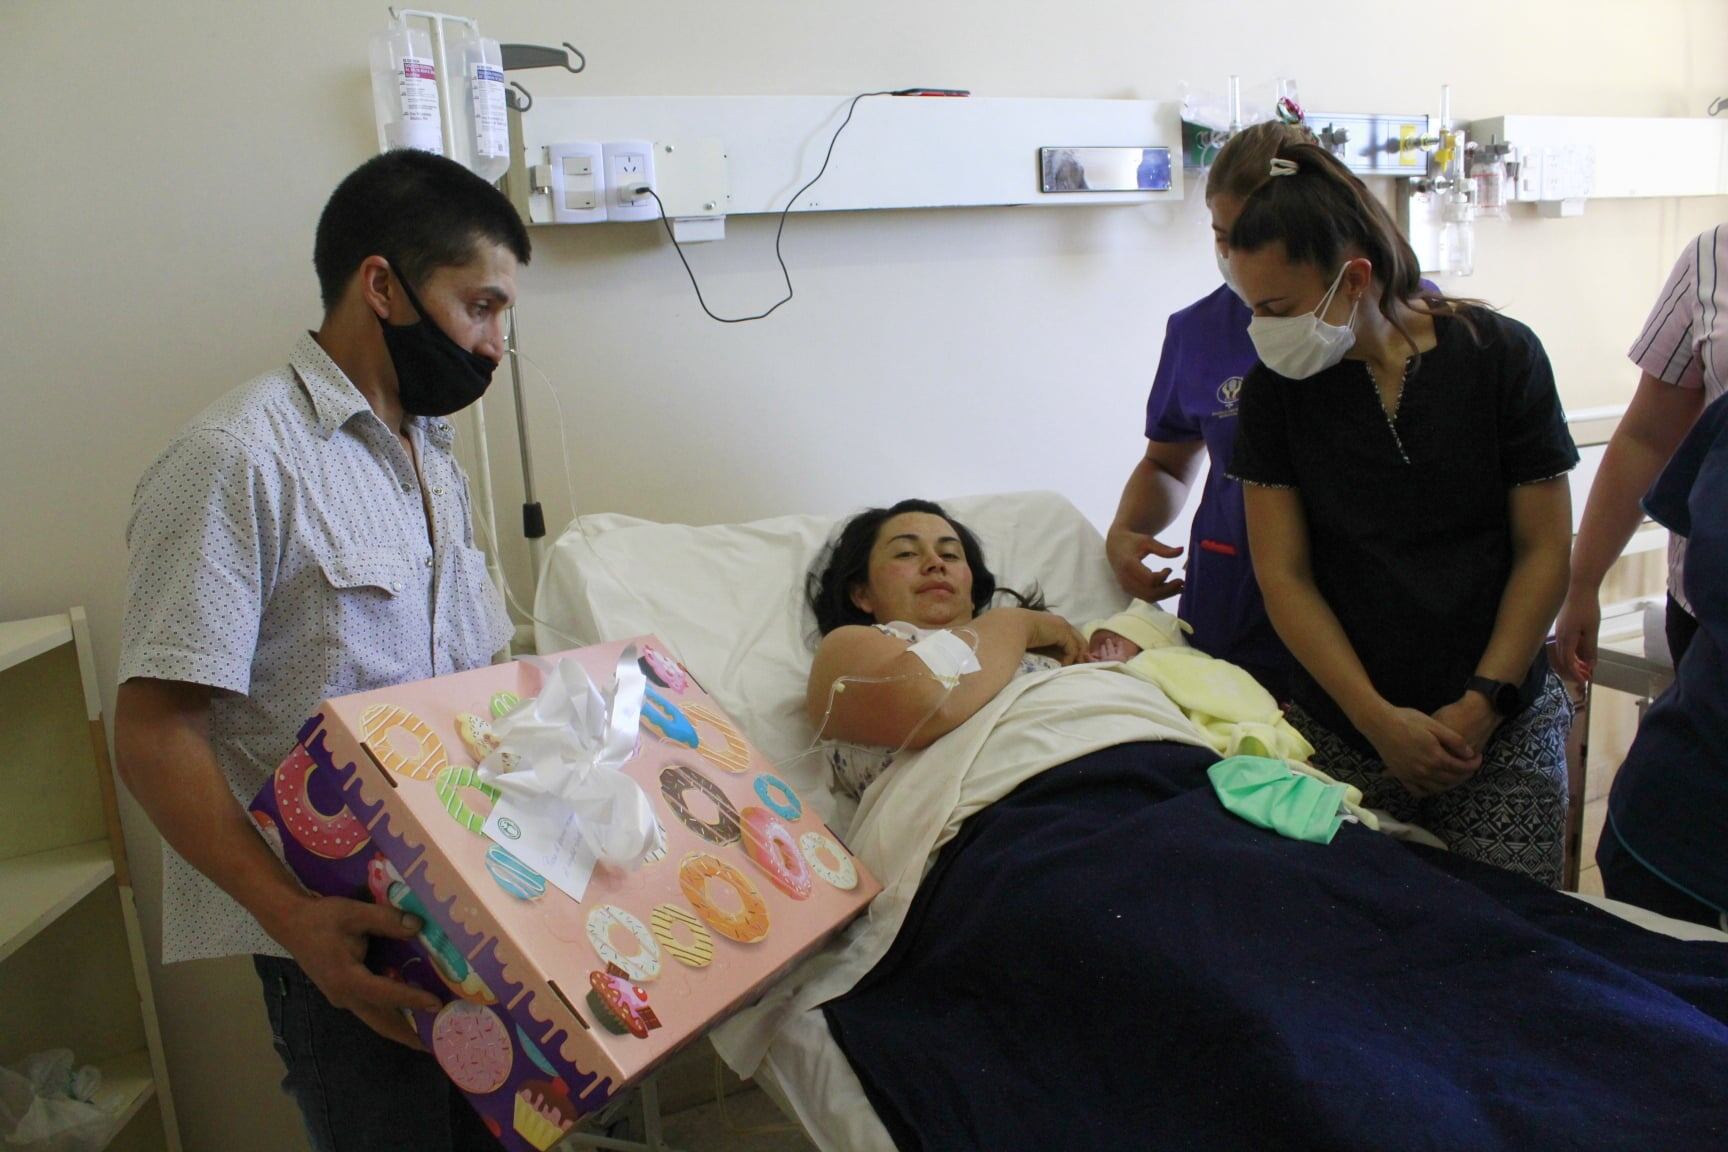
[(1322, 211), (845, 567)]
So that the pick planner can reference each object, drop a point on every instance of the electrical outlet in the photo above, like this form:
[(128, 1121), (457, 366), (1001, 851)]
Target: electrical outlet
[(627, 176), (629, 166)]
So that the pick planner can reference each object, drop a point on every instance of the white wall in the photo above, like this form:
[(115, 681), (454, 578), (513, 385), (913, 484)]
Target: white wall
[(165, 163)]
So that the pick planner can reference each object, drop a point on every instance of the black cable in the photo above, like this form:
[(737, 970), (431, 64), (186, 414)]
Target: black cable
[(778, 232)]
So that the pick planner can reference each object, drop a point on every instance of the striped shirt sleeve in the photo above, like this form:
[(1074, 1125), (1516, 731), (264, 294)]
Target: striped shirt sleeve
[(1671, 345)]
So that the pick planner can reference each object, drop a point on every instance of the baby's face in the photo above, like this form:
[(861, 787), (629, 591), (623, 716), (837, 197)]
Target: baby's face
[(1107, 645)]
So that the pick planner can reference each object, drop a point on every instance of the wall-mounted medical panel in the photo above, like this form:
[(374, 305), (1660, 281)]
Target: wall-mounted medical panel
[(1577, 157), (1369, 144), (726, 155)]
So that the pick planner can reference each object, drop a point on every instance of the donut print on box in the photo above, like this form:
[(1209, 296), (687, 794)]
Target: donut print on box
[(668, 920), (473, 1046), (771, 848), (703, 877), (553, 1006), (727, 749), (662, 718), (327, 829), (386, 728), (678, 783)]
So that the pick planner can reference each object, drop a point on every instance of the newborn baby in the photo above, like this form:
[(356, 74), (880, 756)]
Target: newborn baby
[(1137, 628), (1228, 707)]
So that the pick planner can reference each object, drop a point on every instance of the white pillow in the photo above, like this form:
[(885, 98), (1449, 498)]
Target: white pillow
[(728, 600)]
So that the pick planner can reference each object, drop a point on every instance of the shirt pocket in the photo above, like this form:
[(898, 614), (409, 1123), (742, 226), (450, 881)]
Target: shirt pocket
[(474, 624), (376, 633)]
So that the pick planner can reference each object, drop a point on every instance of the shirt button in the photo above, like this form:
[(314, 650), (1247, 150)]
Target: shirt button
[(396, 587), (437, 491), (407, 487), (428, 561)]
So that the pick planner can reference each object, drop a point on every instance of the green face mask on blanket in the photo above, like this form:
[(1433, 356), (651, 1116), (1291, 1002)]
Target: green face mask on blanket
[(1267, 793)]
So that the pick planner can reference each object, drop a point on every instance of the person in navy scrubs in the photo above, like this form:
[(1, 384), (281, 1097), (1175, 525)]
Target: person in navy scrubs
[(1192, 410), (1663, 847), (1404, 458)]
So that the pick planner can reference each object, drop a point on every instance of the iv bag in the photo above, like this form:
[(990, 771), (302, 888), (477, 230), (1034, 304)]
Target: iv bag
[(482, 129), (405, 91)]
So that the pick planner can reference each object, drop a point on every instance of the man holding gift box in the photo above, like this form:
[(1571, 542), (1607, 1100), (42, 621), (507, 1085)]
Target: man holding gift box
[(308, 536)]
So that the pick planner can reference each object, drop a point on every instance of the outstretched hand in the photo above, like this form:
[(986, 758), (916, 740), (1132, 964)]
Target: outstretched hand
[(1127, 552)]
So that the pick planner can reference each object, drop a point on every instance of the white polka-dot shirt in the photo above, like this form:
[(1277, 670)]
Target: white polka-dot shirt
[(280, 554)]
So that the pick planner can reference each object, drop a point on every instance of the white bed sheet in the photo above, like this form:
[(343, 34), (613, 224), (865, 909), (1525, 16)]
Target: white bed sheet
[(728, 601)]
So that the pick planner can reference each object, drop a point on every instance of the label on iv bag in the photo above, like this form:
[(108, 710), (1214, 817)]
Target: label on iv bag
[(491, 130), (417, 87)]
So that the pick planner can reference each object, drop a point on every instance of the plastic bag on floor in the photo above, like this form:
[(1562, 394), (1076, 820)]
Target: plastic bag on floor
[(45, 1105)]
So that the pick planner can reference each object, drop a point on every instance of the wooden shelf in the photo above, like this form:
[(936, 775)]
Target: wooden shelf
[(40, 887), (127, 1085), (22, 639), (73, 972)]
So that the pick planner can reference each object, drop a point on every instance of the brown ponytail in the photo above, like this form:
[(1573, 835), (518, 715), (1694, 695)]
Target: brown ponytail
[(1242, 165), (1321, 211)]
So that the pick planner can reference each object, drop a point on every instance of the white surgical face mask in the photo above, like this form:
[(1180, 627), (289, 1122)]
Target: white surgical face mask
[(1297, 347), (1224, 271)]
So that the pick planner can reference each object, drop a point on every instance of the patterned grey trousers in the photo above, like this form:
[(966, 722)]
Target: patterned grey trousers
[(1512, 813)]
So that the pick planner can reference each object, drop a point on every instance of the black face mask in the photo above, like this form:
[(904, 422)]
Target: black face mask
[(435, 376)]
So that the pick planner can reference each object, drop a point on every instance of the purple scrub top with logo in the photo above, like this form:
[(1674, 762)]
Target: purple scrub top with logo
[(1206, 354)]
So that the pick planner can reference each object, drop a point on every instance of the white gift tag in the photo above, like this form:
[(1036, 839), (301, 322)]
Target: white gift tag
[(565, 803), (547, 838)]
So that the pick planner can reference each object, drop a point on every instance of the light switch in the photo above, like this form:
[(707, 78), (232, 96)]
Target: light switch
[(578, 182)]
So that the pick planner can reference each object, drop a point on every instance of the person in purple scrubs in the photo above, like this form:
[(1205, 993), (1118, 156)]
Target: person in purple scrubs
[(1192, 409)]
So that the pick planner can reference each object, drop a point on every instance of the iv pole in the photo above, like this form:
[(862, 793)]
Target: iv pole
[(514, 57), (482, 457), (533, 518)]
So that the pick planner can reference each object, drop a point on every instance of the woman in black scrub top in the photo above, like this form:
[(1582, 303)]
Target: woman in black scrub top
[(1404, 460)]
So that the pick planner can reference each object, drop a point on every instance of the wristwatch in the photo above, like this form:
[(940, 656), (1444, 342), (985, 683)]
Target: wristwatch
[(1504, 698)]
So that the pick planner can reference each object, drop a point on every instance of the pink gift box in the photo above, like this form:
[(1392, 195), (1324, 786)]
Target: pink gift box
[(554, 1005)]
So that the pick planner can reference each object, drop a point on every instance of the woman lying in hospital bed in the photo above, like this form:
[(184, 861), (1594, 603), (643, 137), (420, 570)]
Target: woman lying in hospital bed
[(909, 623), (1078, 945)]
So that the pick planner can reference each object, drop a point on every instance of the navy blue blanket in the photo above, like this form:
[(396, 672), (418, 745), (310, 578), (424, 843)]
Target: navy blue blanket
[(1107, 959)]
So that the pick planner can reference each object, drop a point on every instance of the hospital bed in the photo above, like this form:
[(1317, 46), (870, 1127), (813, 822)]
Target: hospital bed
[(729, 601)]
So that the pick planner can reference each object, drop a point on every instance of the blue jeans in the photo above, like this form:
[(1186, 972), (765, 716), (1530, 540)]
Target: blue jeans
[(357, 1091)]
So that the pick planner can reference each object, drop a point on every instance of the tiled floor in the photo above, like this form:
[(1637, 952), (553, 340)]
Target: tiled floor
[(748, 1122), (751, 1123)]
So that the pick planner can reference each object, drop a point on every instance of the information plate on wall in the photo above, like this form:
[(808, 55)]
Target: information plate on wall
[(1104, 169)]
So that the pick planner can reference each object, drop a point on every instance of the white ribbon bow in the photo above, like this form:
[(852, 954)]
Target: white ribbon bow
[(568, 746)]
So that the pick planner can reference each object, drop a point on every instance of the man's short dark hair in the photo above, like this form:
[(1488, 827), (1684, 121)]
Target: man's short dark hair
[(420, 211)]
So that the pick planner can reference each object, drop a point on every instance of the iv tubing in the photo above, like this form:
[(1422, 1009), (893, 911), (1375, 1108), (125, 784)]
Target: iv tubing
[(488, 510)]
